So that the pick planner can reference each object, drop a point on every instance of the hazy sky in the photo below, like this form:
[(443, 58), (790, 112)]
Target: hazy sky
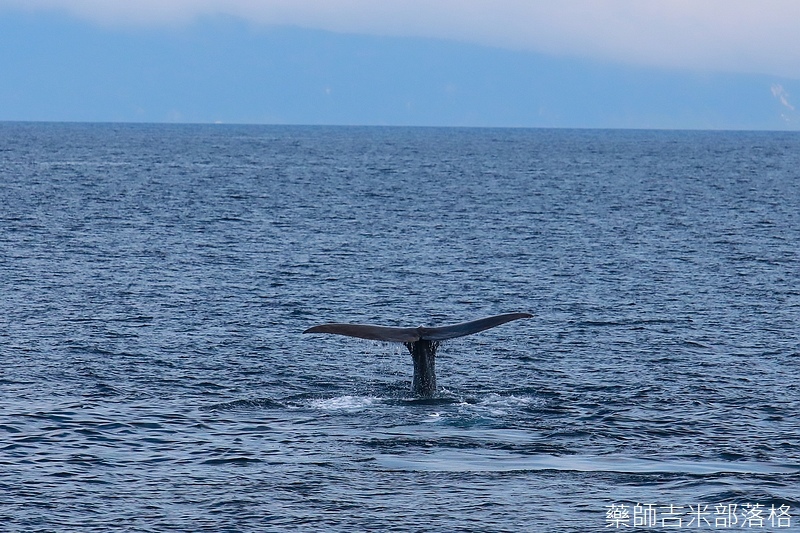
[(729, 63)]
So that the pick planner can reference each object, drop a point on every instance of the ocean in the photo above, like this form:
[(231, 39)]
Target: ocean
[(156, 281)]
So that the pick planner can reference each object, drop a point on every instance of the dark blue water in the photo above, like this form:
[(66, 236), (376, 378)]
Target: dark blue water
[(156, 281)]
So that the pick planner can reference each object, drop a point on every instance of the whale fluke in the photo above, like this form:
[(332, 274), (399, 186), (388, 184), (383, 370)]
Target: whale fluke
[(389, 334), (364, 331), (468, 328), (421, 342)]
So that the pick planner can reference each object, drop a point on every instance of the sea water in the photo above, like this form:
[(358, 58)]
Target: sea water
[(156, 280)]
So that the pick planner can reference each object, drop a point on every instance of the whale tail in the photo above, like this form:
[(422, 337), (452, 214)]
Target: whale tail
[(406, 335), (421, 342)]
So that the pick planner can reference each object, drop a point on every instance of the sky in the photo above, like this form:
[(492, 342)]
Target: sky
[(710, 64)]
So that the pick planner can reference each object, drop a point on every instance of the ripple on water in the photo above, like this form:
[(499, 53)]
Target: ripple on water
[(498, 461), (156, 280)]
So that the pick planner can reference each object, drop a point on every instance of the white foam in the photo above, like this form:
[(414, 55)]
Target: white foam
[(499, 405), (432, 417), (344, 402)]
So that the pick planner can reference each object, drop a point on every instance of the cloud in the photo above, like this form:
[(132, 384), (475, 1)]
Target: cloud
[(783, 97), (709, 35)]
